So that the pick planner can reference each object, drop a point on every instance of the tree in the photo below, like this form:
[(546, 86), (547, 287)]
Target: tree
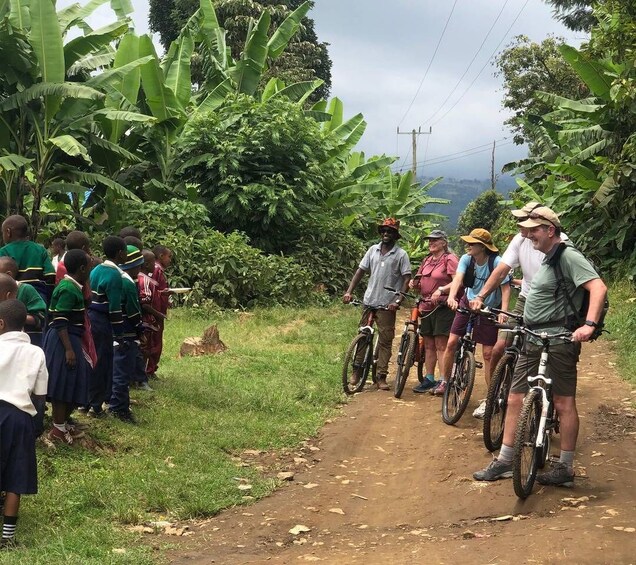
[(483, 212), (576, 15), (527, 67), (304, 59)]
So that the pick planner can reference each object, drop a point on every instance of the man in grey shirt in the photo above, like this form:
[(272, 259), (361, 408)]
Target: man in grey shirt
[(388, 265)]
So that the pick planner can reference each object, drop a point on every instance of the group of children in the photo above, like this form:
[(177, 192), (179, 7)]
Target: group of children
[(79, 335)]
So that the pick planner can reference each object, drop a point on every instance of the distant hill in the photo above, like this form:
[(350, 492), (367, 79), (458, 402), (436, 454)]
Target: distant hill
[(460, 192)]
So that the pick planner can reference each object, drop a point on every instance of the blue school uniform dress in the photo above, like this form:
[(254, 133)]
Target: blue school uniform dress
[(106, 325), (22, 373), (66, 384)]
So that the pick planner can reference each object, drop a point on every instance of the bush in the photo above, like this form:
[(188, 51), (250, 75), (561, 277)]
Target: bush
[(218, 267)]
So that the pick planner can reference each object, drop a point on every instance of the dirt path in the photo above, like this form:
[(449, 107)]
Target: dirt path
[(388, 482)]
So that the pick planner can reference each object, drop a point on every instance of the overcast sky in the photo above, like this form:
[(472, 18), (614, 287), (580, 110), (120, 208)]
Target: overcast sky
[(383, 66)]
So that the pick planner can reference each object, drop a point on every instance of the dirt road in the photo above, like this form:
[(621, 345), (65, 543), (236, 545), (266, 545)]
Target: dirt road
[(388, 482)]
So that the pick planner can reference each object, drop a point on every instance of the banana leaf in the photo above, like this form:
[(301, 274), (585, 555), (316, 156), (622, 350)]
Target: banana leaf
[(286, 31), (13, 162), (70, 14), (92, 63), (300, 91), (70, 146), (19, 15), (64, 89), (81, 46), (249, 69), (592, 72), (95, 178), (178, 78), (212, 34)]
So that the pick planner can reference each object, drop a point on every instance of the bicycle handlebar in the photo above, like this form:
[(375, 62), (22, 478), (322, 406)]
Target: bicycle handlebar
[(360, 303), (564, 336)]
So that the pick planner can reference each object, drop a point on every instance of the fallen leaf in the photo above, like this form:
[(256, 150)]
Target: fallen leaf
[(168, 462), (299, 529), (359, 496), (244, 487), (337, 511)]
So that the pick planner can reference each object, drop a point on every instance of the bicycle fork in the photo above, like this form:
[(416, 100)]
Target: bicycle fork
[(543, 362)]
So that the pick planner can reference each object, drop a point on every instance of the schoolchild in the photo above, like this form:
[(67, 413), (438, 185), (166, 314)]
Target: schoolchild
[(149, 315), (127, 348), (65, 359), (163, 259), (34, 264), (58, 247), (36, 308), (106, 320), (23, 384)]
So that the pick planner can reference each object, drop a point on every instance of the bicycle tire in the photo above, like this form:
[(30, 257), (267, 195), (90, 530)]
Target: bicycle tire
[(374, 358), (459, 388), (525, 460), (360, 341), (405, 361), (421, 360), (547, 442), (497, 402)]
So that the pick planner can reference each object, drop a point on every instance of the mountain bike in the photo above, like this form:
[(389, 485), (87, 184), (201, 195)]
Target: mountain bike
[(462, 377), (362, 355), (537, 422), (500, 383)]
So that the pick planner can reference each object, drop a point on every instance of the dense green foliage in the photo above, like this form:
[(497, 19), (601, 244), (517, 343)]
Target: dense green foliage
[(483, 212), (574, 14), (305, 58)]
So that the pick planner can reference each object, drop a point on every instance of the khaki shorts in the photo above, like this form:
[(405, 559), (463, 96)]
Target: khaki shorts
[(561, 367), (518, 309), (438, 322)]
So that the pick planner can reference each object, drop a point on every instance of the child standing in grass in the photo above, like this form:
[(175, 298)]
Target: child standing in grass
[(23, 384), (36, 308), (163, 258), (127, 350), (149, 315), (58, 246), (65, 360), (106, 320), (34, 265)]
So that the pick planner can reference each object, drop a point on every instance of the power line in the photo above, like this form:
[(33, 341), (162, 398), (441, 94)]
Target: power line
[(469, 64), (485, 64), (430, 63)]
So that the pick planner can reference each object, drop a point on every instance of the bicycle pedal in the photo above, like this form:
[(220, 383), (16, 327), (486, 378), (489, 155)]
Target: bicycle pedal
[(479, 364)]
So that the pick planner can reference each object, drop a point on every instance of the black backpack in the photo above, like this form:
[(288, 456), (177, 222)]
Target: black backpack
[(577, 318), (469, 275)]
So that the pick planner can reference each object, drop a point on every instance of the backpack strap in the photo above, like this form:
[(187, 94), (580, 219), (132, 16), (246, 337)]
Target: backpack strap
[(555, 263)]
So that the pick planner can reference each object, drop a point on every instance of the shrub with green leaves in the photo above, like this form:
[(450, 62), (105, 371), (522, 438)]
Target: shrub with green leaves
[(260, 167)]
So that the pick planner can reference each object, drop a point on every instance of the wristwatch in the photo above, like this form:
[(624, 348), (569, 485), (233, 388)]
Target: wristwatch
[(481, 297), (591, 323)]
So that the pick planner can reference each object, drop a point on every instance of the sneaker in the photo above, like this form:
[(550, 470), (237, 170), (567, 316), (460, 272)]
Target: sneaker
[(145, 386), (82, 409), (75, 432), (480, 411), (77, 425), (495, 471), (124, 416), (382, 384), (8, 543), (439, 389), (59, 436), (425, 385), (354, 379), (92, 413), (558, 476)]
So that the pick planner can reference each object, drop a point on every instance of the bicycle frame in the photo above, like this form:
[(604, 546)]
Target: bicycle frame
[(546, 394)]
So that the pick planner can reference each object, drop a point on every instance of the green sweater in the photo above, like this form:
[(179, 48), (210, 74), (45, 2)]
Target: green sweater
[(106, 286)]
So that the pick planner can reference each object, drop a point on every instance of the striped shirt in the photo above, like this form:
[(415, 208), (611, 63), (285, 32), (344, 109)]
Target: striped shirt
[(34, 265), (130, 307), (67, 305)]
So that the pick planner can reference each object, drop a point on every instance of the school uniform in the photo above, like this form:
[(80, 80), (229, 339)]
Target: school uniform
[(36, 307), (34, 265), (22, 373), (127, 351), (147, 287), (66, 384), (160, 303), (106, 325)]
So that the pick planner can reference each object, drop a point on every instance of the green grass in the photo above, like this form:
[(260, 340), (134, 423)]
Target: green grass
[(621, 322), (274, 386)]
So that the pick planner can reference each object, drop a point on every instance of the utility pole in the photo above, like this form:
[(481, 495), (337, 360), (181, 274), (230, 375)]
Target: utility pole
[(493, 178), (414, 135)]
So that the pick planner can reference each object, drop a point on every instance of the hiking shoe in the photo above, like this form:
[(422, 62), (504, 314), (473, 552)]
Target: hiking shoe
[(480, 411), (145, 386), (382, 384), (59, 436), (425, 386), (124, 416), (495, 471), (439, 389), (354, 379), (558, 476)]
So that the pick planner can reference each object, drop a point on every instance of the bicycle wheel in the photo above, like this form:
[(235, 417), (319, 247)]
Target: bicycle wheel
[(405, 359), (526, 453), (358, 360), (547, 440), (374, 358), (497, 402), (459, 388), (421, 359)]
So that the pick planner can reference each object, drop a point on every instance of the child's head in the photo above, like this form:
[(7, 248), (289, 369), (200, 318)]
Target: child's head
[(76, 263), (12, 316), (130, 231), (114, 249), (163, 255), (134, 241), (9, 266), (134, 261), (58, 246), (14, 228), (149, 261), (78, 240), (8, 287)]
